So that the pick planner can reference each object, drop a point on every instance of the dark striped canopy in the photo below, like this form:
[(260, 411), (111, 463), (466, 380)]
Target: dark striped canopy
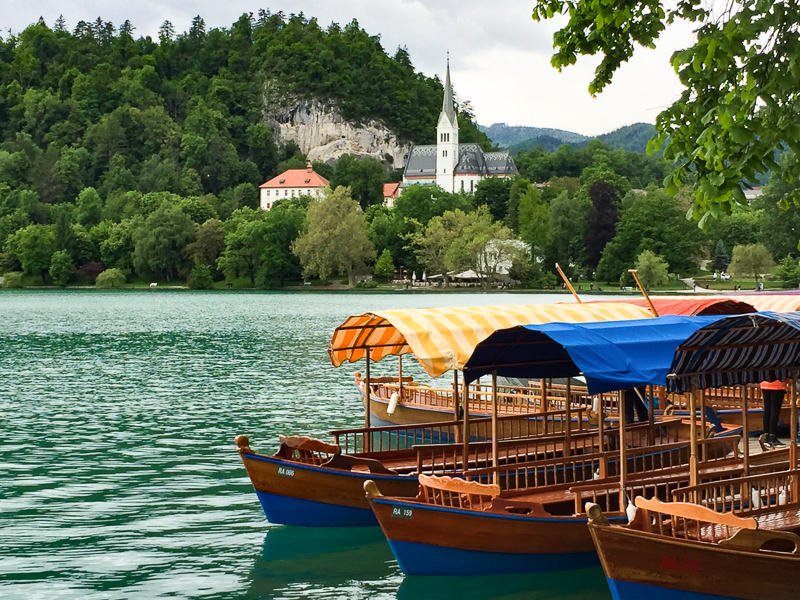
[(738, 350)]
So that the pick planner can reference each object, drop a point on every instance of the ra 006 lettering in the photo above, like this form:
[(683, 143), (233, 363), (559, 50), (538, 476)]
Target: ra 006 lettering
[(285, 471), (401, 512)]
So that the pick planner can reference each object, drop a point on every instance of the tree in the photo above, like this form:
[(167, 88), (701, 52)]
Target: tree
[(200, 277), (602, 220), (365, 178), (209, 244), (655, 222), (336, 237), (160, 246), (33, 246), (652, 269), (789, 272), (568, 224), (110, 278), (720, 259), (494, 192), (534, 221), (384, 267), (89, 207), (741, 78), (433, 244), (61, 268), (752, 259)]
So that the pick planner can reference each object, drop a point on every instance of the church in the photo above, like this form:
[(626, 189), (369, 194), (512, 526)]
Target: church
[(452, 166)]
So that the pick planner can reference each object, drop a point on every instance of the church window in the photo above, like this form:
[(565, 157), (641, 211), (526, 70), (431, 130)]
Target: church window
[(444, 153), (471, 185), (462, 185)]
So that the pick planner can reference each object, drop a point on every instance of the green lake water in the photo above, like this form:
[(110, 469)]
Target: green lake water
[(118, 473)]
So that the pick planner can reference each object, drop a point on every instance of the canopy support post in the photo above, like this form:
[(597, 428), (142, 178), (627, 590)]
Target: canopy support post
[(793, 421), (745, 434), (601, 433), (465, 434), (495, 458), (635, 274), (623, 455), (367, 408), (456, 399), (694, 396), (651, 409), (400, 376), (568, 419)]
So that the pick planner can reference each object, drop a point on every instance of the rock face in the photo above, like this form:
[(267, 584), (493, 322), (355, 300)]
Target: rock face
[(323, 134)]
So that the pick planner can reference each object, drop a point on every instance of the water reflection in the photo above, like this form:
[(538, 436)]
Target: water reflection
[(333, 562)]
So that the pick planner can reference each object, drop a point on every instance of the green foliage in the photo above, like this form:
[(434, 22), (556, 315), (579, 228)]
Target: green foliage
[(652, 269), (89, 207), (435, 244), (160, 246), (751, 259), (741, 77), (12, 279), (652, 222), (110, 278), (789, 272), (602, 219), (367, 285), (494, 192), (534, 221), (61, 268), (336, 237), (384, 267), (200, 277), (33, 246), (208, 246), (720, 258), (365, 177)]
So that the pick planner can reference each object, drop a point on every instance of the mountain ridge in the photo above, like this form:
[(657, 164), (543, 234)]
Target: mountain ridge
[(633, 137)]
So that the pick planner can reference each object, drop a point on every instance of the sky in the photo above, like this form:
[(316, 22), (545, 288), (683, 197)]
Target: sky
[(499, 56)]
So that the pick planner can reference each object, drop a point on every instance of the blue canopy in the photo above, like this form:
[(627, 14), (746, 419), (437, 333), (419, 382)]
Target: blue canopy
[(611, 355)]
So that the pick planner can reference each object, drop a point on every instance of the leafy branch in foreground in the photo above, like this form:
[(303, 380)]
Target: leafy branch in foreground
[(742, 80)]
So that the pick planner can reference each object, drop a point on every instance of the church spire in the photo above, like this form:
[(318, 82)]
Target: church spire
[(447, 101)]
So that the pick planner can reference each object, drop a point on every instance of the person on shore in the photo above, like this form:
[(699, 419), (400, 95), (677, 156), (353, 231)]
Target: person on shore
[(773, 393)]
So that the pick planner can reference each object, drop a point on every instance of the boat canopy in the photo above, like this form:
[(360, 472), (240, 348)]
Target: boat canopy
[(738, 350), (444, 338), (610, 355), (766, 302), (694, 306)]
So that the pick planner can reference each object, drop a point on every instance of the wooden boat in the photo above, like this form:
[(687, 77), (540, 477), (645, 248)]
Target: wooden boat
[(751, 551), (735, 539), (464, 527), (309, 482), (549, 516)]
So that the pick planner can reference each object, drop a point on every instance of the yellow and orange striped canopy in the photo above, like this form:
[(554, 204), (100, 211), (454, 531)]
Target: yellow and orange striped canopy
[(444, 338)]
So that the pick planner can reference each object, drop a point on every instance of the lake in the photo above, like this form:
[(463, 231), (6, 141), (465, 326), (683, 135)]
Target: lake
[(120, 478)]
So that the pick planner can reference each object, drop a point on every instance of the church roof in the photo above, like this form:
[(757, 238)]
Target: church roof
[(472, 160)]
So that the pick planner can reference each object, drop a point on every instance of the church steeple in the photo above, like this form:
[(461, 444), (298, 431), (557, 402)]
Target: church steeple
[(447, 137), (447, 101)]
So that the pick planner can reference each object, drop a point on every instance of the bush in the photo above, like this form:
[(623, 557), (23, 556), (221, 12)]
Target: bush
[(90, 271), (367, 285), (110, 278), (200, 277), (61, 267), (12, 279)]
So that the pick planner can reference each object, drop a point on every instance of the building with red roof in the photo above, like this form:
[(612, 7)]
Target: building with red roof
[(290, 184), (390, 193)]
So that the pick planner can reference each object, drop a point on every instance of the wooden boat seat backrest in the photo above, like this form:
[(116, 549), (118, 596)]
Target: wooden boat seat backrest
[(689, 521), (456, 493), (752, 495), (306, 450)]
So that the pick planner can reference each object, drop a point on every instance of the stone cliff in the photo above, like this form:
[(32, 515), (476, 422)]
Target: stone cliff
[(323, 134)]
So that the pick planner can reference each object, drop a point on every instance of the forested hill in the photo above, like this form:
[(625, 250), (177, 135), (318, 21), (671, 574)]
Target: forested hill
[(632, 138), (97, 106)]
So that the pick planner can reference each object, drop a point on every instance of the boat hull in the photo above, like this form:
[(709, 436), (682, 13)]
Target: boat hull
[(293, 493), (435, 540), (640, 565)]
